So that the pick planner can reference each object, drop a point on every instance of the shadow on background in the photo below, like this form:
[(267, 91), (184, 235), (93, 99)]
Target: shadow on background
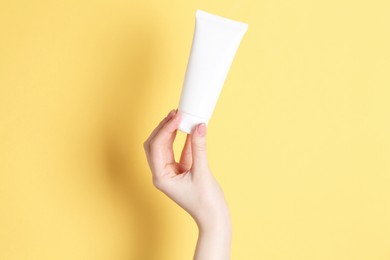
[(123, 151)]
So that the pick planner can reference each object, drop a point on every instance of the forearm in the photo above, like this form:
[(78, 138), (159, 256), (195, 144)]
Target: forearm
[(214, 241)]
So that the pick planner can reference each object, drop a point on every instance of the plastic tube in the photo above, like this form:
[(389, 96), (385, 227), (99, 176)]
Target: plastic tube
[(214, 45)]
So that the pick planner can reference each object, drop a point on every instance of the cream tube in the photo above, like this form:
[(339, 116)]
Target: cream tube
[(214, 45)]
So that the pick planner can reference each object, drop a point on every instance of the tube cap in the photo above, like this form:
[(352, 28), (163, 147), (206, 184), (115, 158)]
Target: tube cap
[(188, 122)]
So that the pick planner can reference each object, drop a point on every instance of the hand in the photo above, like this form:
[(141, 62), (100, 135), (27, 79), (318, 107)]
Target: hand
[(190, 184)]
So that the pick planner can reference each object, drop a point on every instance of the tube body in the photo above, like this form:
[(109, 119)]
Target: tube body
[(214, 45)]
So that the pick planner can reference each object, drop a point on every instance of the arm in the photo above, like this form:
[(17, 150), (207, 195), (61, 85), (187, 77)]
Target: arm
[(214, 242), (191, 185)]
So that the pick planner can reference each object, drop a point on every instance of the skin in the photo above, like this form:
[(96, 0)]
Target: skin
[(191, 185)]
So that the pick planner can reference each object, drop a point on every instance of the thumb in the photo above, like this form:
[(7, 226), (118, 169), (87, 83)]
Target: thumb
[(198, 143)]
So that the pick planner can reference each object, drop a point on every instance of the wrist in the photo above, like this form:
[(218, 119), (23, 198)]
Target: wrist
[(215, 222), (214, 239)]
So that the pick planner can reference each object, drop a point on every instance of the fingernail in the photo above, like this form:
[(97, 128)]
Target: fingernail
[(201, 129)]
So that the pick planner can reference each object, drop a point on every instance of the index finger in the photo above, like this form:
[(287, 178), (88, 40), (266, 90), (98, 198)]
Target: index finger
[(160, 125), (164, 134), (162, 142)]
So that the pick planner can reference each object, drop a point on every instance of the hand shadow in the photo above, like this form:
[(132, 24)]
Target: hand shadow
[(123, 151)]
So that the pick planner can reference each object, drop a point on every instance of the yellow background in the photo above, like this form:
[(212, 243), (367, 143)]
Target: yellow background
[(299, 141)]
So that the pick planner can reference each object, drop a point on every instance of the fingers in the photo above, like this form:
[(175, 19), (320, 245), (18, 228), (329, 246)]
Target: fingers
[(186, 154), (199, 153), (164, 134), (161, 124), (161, 151)]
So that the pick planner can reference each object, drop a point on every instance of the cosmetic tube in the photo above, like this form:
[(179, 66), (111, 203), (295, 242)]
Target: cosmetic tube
[(214, 45)]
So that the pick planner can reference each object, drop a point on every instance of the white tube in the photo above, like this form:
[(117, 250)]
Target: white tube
[(214, 45)]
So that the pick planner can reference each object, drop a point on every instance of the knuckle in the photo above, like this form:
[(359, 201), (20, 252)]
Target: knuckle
[(146, 145), (153, 143), (201, 146)]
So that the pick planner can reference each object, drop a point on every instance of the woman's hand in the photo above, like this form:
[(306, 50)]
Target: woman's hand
[(191, 185)]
